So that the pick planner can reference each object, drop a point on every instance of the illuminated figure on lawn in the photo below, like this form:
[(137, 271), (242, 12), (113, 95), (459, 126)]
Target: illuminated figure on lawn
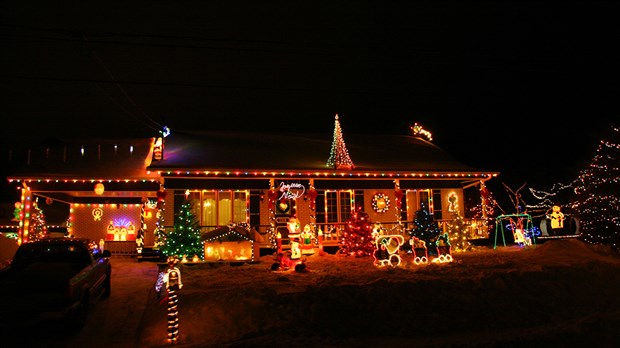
[(387, 249), (306, 241), (295, 250), (293, 228), (557, 221), (444, 248), (284, 263), (419, 250)]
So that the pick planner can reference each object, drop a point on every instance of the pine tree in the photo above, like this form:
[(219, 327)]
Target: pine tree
[(339, 155), (597, 201), (486, 205), (457, 230), (185, 238), (160, 233), (357, 239), (38, 229), (425, 228)]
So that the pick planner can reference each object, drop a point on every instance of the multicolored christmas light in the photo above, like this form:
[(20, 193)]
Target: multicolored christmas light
[(339, 155), (37, 229), (357, 239), (185, 238)]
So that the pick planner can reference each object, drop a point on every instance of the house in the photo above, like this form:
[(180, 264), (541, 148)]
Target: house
[(95, 188), (125, 191)]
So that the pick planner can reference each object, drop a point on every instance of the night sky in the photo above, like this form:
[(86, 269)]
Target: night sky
[(526, 88)]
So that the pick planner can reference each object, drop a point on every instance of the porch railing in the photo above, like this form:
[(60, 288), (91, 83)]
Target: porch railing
[(333, 232)]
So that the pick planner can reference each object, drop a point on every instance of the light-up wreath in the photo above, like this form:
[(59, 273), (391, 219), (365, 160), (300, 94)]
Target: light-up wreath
[(380, 203)]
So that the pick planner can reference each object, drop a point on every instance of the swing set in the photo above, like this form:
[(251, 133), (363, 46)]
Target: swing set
[(521, 227)]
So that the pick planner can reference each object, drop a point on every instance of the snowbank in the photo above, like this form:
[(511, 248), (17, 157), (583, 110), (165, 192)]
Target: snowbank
[(559, 292)]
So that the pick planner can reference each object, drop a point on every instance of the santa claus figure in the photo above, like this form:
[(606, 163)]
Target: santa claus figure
[(293, 228), (285, 263)]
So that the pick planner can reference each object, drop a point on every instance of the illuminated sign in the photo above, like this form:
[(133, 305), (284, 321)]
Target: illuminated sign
[(291, 191)]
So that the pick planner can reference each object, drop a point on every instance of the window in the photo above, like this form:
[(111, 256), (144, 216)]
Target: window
[(219, 208), (414, 200), (338, 206), (437, 211)]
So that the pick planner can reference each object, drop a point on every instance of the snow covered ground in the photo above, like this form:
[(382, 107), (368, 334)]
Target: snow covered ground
[(560, 293)]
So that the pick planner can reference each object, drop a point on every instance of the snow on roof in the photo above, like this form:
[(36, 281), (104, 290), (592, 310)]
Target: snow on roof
[(285, 151), (81, 159)]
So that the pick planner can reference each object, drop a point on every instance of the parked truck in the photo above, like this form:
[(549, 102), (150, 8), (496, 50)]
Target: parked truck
[(54, 280)]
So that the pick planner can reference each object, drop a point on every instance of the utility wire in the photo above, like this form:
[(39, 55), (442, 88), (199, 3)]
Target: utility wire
[(120, 87)]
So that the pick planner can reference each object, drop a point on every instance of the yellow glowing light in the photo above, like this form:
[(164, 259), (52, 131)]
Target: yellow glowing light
[(99, 189), (421, 132)]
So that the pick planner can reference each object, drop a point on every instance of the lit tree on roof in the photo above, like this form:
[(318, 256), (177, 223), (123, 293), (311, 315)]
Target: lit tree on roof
[(339, 156)]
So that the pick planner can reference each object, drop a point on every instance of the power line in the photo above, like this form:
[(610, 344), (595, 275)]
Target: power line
[(119, 86)]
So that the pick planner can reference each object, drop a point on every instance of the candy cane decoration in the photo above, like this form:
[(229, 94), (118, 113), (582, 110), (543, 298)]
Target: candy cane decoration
[(140, 236)]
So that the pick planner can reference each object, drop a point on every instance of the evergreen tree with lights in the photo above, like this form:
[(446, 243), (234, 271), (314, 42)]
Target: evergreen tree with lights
[(185, 238), (426, 228), (339, 155), (38, 229), (457, 230), (160, 233), (357, 238), (485, 208), (597, 200)]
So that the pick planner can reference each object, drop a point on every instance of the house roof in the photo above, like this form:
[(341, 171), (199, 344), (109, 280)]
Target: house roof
[(217, 151), (91, 159), (254, 151), (66, 170)]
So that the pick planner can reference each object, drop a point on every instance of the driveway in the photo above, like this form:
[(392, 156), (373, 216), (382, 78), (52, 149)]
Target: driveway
[(113, 322)]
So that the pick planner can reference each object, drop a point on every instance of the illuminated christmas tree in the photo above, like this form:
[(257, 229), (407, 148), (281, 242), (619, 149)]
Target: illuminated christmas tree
[(457, 230), (160, 233), (38, 229), (425, 228), (185, 238), (357, 239), (597, 202), (339, 156), (486, 208)]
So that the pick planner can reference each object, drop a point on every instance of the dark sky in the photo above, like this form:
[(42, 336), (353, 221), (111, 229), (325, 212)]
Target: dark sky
[(526, 88)]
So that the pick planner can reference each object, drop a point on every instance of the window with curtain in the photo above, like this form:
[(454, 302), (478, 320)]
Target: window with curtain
[(219, 208), (240, 207), (209, 206)]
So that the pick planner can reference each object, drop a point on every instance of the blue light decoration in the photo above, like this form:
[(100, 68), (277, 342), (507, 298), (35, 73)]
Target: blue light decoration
[(521, 227)]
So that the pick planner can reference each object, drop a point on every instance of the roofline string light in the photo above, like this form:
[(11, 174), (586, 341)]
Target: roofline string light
[(325, 174)]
